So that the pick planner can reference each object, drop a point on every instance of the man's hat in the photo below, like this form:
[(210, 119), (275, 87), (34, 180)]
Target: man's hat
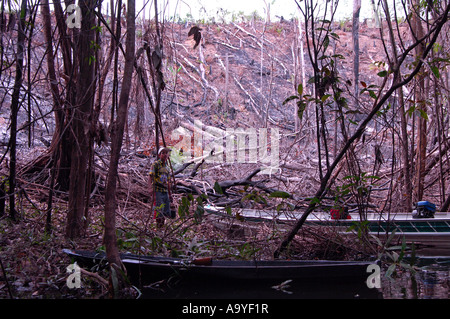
[(166, 149)]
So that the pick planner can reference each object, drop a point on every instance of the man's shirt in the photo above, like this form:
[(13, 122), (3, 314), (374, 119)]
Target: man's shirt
[(160, 176)]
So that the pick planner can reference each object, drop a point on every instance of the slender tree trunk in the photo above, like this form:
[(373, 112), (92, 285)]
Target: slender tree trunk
[(107, 64), (116, 61), (355, 35), (31, 25), (15, 100), (422, 106), (81, 120), (300, 61), (51, 62), (227, 76), (403, 121), (116, 141), (61, 142), (59, 116)]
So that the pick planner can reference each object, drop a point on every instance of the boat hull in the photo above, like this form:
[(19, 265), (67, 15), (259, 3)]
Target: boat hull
[(427, 231), (148, 269)]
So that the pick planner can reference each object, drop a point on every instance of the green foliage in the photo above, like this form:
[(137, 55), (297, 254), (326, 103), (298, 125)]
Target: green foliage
[(199, 210), (247, 251), (394, 255), (302, 102), (279, 194), (360, 227), (188, 203), (218, 188), (173, 70), (184, 205), (359, 184), (127, 240), (196, 248), (255, 196), (369, 89), (315, 201)]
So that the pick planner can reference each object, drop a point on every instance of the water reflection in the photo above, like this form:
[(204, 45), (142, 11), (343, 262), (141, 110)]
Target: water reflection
[(430, 281), (266, 290)]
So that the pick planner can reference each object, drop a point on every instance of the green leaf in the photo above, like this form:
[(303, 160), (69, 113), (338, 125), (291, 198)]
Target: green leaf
[(300, 90), (325, 97), (183, 208), (390, 270), (351, 227), (301, 108), (377, 240), (393, 248), (335, 35), (435, 71), (423, 114), (411, 110), (199, 211), (382, 74), (395, 256), (280, 194), (315, 200), (391, 236), (293, 97), (218, 188), (326, 42), (338, 56), (279, 207)]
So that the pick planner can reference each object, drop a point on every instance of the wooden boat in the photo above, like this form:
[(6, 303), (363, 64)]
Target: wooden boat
[(433, 231), (148, 269)]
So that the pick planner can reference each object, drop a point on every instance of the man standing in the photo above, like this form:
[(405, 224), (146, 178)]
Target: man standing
[(159, 184)]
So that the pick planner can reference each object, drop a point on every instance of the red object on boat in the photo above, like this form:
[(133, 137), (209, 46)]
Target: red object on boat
[(339, 214)]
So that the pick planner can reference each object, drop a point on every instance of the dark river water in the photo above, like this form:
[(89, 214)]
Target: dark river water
[(429, 280)]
